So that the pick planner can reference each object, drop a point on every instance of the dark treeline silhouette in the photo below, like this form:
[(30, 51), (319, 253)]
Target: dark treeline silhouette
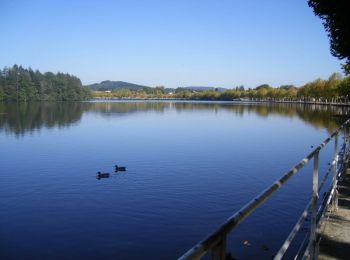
[(20, 84), (335, 89), (336, 20), (23, 117)]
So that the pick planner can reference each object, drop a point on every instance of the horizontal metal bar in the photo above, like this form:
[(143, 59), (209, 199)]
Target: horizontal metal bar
[(302, 218), (320, 212), (205, 245)]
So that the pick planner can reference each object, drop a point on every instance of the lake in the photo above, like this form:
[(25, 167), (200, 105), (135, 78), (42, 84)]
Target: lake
[(190, 165)]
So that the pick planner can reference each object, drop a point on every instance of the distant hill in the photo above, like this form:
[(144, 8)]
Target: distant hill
[(111, 85), (202, 88)]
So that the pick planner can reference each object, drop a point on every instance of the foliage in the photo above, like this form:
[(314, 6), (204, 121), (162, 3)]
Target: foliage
[(335, 88), (19, 84), (336, 20)]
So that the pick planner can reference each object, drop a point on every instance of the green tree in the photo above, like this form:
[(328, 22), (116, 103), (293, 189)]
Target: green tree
[(17, 83), (336, 20), (344, 88)]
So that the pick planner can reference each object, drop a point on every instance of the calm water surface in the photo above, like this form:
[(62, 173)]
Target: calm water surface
[(189, 167)]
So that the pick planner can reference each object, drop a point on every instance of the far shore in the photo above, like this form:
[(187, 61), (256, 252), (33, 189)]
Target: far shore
[(238, 101)]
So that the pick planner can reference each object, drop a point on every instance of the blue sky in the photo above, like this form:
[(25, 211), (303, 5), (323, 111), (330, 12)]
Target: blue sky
[(172, 43)]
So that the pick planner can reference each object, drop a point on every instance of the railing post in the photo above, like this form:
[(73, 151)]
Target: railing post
[(346, 140), (346, 147), (219, 251), (335, 192), (312, 243)]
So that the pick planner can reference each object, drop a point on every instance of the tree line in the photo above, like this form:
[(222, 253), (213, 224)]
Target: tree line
[(335, 89), (21, 84)]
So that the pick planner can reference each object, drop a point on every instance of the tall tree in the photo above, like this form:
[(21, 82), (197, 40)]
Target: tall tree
[(17, 83), (336, 20)]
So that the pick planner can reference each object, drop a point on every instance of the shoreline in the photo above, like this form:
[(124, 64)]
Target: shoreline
[(250, 101)]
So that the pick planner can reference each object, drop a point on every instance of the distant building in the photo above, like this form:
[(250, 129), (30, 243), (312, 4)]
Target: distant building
[(108, 91)]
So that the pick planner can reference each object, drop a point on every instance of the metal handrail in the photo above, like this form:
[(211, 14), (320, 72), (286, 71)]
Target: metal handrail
[(303, 251), (216, 241), (305, 213)]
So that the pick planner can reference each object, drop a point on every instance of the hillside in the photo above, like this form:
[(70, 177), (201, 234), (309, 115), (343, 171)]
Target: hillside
[(112, 85), (201, 88)]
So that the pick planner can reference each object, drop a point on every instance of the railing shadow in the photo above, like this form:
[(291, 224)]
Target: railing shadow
[(334, 248)]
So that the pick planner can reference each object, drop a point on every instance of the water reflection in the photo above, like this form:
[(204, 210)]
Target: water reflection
[(22, 118), (178, 157)]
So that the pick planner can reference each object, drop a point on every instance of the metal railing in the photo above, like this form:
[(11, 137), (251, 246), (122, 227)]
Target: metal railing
[(216, 241)]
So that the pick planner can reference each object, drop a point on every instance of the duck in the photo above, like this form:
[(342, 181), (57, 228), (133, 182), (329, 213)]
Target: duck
[(120, 168), (101, 175)]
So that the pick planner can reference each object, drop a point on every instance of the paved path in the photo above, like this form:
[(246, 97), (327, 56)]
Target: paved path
[(335, 231)]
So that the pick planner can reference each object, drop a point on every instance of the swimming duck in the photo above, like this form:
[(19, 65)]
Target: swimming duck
[(120, 168), (101, 175)]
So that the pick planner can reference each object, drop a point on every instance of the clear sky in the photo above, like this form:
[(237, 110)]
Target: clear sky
[(221, 43)]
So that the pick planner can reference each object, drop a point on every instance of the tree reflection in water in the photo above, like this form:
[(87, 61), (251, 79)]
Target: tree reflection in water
[(22, 118)]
